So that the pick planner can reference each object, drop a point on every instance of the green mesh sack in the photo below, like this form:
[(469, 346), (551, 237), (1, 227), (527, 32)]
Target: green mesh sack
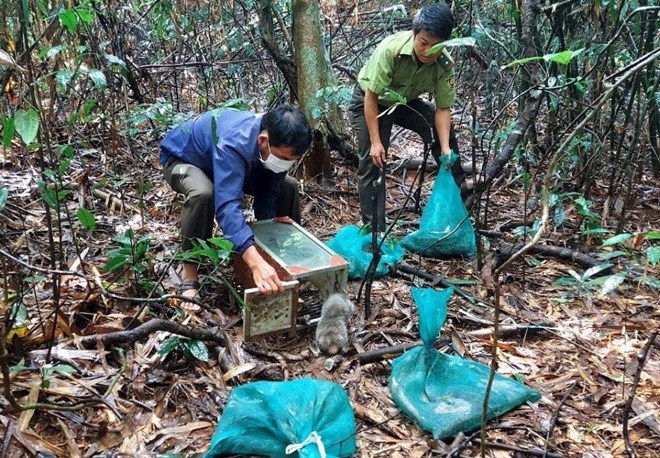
[(445, 394), (445, 228), (354, 245), (303, 418)]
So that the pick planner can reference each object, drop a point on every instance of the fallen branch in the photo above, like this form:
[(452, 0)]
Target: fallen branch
[(385, 353), (642, 358), (377, 420), (382, 354), (467, 440), (506, 250), (113, 202), (90, 402), (514, 329), (141, 332), (440, 280), (9, 396), (555, 416), (523, 451), (228, 363)]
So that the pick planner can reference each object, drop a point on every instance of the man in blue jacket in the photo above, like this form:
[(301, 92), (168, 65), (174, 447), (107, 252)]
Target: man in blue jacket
[(217, 158)]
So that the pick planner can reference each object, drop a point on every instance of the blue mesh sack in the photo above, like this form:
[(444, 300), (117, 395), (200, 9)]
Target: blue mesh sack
[(303, 418), (445, 394), (354, 245), (445, 228)]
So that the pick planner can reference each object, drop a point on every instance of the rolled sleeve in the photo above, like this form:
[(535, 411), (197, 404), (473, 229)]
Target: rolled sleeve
[(376, 75)]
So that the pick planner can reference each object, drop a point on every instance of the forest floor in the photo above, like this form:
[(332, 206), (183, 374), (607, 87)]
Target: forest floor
[(584, 361)]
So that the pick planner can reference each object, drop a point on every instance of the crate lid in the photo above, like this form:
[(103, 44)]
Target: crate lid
[(295, 249)]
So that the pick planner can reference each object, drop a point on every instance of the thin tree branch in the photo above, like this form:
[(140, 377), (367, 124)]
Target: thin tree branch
[(549, 174), (96, 279), (217, 336), (555, 416), (642, 358)]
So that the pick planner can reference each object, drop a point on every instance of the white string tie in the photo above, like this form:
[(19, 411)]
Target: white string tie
[(313, 438)]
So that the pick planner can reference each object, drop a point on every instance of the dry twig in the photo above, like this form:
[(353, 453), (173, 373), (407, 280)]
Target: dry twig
[(555, 416), (130, 337), (641, 358)]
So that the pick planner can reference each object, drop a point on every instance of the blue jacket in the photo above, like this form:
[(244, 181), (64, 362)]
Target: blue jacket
[(224, 145)]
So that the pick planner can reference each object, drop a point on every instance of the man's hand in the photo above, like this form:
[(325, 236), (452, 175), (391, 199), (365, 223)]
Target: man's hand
[(443, 128), (264, 275), (377, 154), (448, 155)]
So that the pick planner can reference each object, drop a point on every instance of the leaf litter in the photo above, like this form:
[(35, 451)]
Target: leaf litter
[(149, 403)]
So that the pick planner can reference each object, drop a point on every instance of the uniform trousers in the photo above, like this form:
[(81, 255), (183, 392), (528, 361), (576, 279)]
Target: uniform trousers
[(419, 116)]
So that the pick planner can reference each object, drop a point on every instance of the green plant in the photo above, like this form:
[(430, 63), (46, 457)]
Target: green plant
[(19, 320), (584, 285), (527, 230), (153, 118), (588, 282), (26, 124), (454, 42), (653, 252), (132, 256), (87, 219), (339, 96), (562, 58), (590, 219), (579, 148), (625, 244), (191, 349), (8, 130), (217, 251), (70, 18), (49, 371), (391, 95)]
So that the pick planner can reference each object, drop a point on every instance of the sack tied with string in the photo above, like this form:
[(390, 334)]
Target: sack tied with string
[(303, 418), (445, 228), (354, 244), (445, 394)]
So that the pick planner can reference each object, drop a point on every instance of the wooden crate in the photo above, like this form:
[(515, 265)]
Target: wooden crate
[(297, 256)]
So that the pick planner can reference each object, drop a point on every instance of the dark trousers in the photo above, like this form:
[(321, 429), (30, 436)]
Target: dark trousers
[(419, 116), (198, 207)]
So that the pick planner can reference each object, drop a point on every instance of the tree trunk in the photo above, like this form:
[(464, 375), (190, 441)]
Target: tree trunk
[(314, 73), (286, 65)]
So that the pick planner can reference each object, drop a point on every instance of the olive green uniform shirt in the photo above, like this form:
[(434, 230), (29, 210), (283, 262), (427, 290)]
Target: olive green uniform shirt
[(392, 68)]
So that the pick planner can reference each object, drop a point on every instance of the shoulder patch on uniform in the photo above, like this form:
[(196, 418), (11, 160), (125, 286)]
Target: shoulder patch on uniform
[(450, 81), (445, 60)]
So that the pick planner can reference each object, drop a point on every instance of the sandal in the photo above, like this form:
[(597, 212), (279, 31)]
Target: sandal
[(188, 285)]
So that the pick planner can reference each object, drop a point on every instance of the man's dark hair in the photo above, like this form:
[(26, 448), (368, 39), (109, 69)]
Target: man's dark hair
[(435, 19), (287, 126)]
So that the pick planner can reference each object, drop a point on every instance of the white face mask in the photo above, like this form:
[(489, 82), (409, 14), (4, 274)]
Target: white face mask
[(274, 163)]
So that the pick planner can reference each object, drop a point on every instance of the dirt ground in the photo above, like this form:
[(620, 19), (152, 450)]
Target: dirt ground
[(583, 362)]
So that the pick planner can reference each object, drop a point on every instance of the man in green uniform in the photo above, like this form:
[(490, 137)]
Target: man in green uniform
[(400, 66)]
